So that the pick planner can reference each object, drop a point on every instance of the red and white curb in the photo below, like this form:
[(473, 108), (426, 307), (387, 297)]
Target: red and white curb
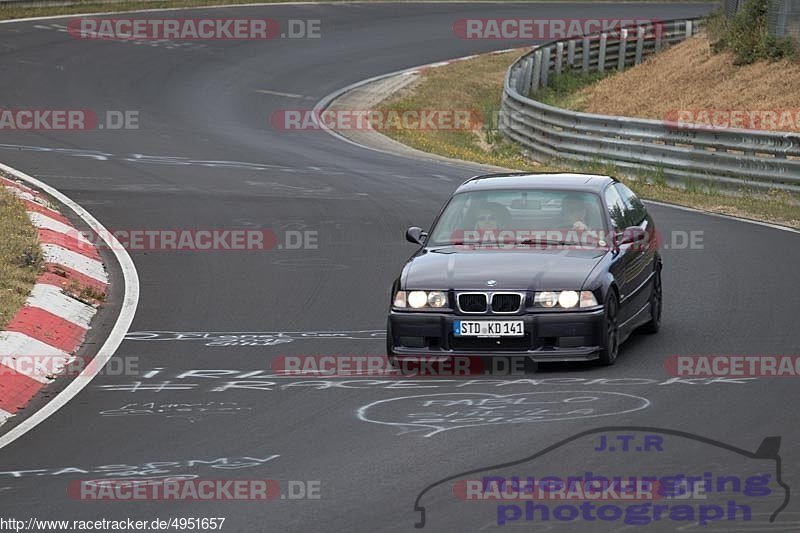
[(127, 307), (41, 339)]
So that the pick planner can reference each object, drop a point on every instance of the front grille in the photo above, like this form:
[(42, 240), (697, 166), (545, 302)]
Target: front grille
[(505, 302), (472, 302), (490, 344)]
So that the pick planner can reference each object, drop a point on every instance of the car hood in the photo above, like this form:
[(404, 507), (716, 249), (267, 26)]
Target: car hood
[(447, 268)]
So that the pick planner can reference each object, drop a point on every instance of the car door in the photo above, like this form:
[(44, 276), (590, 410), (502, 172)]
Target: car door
[(644, 252), (624, 256)]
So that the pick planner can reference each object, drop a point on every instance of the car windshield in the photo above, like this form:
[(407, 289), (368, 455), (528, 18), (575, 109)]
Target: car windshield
[(520, 216)]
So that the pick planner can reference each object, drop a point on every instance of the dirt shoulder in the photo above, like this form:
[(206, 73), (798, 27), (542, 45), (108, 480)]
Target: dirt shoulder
[(20, 256), (703, 82)]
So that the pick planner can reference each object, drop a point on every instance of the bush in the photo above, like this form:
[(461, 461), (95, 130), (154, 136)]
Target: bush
[(747, 37)]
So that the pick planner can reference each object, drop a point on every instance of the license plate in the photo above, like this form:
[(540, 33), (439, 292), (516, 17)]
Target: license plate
[(488, 328)]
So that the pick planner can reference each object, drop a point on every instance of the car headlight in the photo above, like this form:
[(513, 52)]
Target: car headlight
[(417, 299), (568, 299), (437, 299), (546, 299), (565, 299), (420, 299)]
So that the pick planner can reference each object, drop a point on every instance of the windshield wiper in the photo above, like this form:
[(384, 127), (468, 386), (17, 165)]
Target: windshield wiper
[(542, 241), (456, 243)]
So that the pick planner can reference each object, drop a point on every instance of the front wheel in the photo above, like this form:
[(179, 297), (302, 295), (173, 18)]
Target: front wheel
[(608, 354)]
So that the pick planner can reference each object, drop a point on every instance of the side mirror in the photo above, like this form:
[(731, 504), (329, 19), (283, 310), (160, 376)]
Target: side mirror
[(415, 235), (632, 234)]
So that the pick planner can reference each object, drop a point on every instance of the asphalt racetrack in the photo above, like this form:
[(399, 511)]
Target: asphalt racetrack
[(206, 156)]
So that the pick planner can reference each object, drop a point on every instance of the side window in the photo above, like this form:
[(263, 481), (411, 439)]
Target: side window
[(616, 208), (634, 205)]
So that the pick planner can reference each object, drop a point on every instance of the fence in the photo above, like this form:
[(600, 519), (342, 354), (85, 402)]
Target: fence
[(783, 19), (783, 16), (731, 7), (598, 52), (723, 157)]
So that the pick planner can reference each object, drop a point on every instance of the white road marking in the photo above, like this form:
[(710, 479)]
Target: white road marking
[(721, 215), (286, 95)]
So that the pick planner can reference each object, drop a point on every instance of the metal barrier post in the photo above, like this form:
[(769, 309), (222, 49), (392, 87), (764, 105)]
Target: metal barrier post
[(601, 58)]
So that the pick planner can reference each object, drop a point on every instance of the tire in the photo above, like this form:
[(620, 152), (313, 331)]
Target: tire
[(656, 301), (608, 354)]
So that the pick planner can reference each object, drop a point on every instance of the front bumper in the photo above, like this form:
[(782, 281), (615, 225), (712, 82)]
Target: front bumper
[(549, 336)]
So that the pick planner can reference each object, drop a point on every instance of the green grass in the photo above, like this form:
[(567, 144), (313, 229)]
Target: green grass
[(463, 85), (476, 83), (20, 256), (562, 89)]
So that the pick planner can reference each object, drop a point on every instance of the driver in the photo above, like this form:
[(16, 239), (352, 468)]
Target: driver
[(486, 220), (574, 212)]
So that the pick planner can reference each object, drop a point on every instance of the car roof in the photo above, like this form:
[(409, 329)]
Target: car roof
[(542, 180)]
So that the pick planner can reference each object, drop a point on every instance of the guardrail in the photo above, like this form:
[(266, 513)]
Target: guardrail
[(720, 156)]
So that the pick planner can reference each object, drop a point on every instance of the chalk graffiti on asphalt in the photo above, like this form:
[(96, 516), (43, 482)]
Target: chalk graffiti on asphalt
[(221, 380), (176, 410), (432, 414), (147, 469), (248, 338)]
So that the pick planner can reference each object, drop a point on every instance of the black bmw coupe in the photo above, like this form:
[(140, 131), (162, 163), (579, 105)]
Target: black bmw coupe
[(554, 267)]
